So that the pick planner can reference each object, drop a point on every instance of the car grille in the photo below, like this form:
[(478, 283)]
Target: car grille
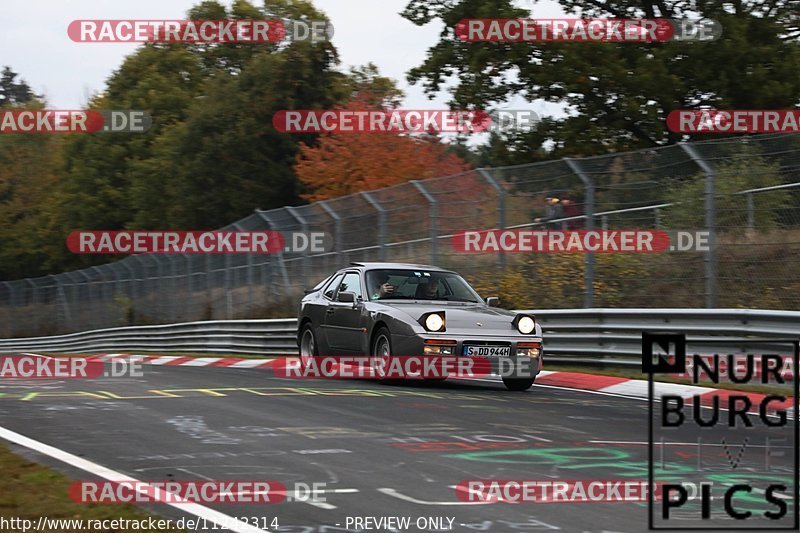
[(486, 343)]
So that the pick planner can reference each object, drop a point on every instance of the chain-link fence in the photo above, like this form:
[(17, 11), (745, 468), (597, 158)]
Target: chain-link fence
[(744, 191)]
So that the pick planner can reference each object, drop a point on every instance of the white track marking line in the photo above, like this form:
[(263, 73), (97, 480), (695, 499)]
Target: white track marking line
[(616, 395), (163, 360), (658, 443), (201, 361), (296, 495), (221, 519), (398, 495), (249, 363)]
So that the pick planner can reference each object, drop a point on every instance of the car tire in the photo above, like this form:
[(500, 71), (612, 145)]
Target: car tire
[(382, 348), (518, 384), (309, 348)]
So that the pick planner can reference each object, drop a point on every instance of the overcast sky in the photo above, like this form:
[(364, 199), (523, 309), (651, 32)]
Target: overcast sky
[(34, 42)]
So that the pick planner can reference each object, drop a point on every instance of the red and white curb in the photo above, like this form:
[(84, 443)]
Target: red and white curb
[(176, 360), (638, 388), (610, 385)]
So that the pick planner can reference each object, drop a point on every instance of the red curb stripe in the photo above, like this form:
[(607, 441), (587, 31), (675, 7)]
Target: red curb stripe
[(580, 381), (179, 361), (226, 361), (755, 398)]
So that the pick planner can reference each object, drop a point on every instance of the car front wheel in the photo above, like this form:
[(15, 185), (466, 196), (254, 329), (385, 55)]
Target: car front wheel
[(518, 384), (382, 353), (308, 346)]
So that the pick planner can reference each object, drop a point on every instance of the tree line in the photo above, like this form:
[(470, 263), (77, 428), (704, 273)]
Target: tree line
[(212, 154)]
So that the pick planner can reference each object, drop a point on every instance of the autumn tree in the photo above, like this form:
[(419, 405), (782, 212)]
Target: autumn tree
[(344, 163)]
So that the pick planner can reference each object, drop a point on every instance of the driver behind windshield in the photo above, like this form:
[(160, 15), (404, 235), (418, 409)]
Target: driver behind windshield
[(382, 287), (428, 291)]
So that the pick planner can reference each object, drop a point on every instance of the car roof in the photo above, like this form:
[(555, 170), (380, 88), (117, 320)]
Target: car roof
[(374, 265)]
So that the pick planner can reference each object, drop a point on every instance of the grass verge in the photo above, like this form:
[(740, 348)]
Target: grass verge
[(29, 490)]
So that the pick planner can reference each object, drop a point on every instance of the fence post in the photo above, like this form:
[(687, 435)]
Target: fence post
[(381, 223), (238, 227), (588, 279), (189, 299), (130, 315), (337, 227), (751, 218), (159, 307), (87, 292), (711, 222), (11, 311), (272, 227), (307, 252), (434, 218), (501, 209)]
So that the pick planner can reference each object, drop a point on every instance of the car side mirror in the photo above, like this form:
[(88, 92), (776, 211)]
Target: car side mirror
[(346, 297), (492, 301)]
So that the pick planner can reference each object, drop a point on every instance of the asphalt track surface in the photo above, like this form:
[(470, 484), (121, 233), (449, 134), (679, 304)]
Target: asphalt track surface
[(380, 449)]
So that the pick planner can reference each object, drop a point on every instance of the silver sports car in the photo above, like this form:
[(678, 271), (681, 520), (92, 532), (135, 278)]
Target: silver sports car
[(394, 309)]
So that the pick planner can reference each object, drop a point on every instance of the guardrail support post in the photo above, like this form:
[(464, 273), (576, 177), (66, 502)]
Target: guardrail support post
[(381, 223), (588, 211), (711, 219), (434, 217), (501, 208)]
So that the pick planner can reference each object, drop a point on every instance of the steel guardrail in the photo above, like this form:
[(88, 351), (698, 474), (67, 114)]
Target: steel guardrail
[(585, 336)]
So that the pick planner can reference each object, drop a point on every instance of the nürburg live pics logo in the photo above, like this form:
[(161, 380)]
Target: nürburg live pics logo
[(723, 449)]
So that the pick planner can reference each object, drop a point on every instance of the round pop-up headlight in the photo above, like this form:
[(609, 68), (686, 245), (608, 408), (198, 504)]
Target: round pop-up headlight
[(526, 325), (434, 322)]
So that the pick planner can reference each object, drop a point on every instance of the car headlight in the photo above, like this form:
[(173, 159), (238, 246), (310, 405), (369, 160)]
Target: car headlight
[(434, 322), (526, 325)]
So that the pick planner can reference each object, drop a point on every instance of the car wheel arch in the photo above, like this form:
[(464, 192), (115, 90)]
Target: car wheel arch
[(375, 329)]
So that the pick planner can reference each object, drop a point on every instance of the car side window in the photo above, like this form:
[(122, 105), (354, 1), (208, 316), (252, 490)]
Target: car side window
[(351, 283), (330, 289)]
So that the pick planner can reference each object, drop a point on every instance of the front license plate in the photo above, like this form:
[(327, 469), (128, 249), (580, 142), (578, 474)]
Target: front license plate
[(487, 351)]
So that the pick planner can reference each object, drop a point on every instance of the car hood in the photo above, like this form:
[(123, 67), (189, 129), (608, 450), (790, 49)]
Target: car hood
[(463, 319)]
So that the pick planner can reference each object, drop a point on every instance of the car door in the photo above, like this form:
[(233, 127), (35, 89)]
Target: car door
[(343, 319), (320, 315)]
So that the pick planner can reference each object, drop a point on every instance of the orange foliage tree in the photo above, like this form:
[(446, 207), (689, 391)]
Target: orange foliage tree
[(345, 163)]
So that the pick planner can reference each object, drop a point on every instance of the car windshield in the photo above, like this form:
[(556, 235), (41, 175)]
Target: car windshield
[(412, 284)]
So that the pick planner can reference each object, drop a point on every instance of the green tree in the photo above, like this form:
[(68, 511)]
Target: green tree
[(14, 92), (618, 94), (29, 168), (745, 170)]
